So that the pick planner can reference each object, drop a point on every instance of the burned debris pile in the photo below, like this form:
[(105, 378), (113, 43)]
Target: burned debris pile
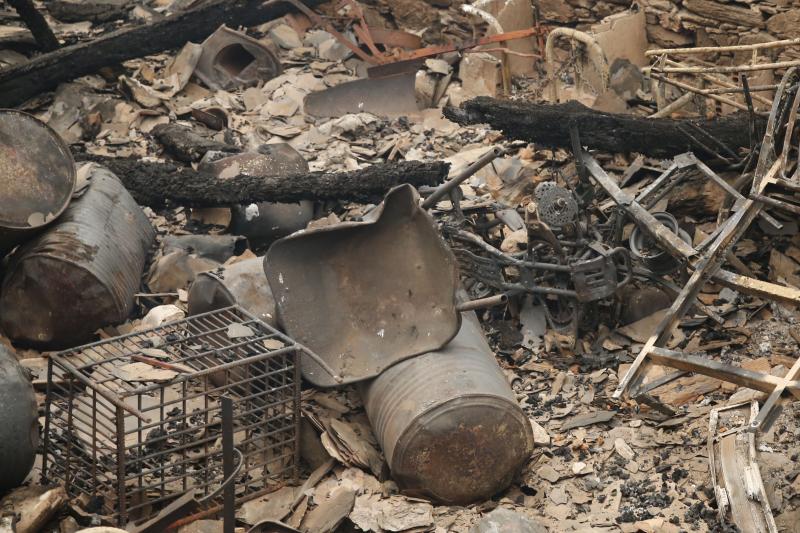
[(420, 265)]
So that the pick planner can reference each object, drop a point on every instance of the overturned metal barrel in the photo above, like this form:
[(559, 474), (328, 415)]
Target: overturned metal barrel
[(265, 222), (19, 427), (37, 176), (79, 275), (448, 421), (243, 283)]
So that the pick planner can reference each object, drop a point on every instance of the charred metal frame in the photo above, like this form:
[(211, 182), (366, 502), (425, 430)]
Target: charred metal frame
[(136, 446), (707, 266)]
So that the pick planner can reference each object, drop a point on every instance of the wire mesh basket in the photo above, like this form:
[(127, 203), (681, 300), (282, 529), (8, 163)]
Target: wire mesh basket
[(134, 421)]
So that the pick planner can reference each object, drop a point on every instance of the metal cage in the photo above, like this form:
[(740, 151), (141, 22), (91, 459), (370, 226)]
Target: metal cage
[(134, 421)]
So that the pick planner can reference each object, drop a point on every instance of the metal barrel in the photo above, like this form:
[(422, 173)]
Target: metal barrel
[(37, 177), (81, 273), (19, 426), (243, 283), (448, 422), (265, 222)]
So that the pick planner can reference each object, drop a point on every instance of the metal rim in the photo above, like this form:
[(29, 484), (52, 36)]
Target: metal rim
[(69, 162)]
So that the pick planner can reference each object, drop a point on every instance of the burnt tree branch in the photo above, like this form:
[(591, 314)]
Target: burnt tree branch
[(35, 22), (549, 125), (154, 184), (45, 72)]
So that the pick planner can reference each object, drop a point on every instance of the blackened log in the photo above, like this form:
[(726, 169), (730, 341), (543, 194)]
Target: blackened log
[(43, 73), (549, 124), (35, 22), (153, 184)]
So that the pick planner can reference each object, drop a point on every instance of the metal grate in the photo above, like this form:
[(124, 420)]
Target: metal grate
[(134, 421)]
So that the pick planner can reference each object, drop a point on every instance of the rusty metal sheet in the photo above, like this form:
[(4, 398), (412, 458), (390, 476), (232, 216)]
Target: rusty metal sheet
[(37, 176), (387, 97), (366, 295), (81, 274), (448, 422)]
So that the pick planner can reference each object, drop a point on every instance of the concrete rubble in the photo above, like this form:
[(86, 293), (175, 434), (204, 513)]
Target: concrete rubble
[(399, 266)]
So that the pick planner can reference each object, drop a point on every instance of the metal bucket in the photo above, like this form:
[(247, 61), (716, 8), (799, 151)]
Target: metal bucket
[(79, 275), (19, 426), (448, 422), (37, 176), (243, 283)]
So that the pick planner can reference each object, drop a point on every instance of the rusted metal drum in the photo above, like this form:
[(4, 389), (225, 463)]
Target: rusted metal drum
[(19, 427), (37, 176), (243, 283), (265, 222), (448, 422), (79, 275)]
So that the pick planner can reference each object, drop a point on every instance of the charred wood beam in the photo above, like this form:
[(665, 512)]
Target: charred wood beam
[(549, 124), (35, 22), (155, 184), (45, 72)]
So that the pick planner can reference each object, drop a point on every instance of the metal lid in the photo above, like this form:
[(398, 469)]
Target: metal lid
[(37, 172)]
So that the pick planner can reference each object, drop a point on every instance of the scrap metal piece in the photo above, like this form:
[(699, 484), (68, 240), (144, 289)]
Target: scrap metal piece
[(556, 207), (388, 96), (448, 422), (648, 251), (735, 475), (37, 177), (81, 274), (18, 420), (231, 60), (366, 295), (595, 278)]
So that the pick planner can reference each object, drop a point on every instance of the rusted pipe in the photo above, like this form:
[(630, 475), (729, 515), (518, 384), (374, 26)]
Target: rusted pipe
[(483, 303)]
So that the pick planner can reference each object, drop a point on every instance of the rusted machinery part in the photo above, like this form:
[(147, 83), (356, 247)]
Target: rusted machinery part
[(448, 422), (19, 437), (37, 177), (366, 295), (81, 273)]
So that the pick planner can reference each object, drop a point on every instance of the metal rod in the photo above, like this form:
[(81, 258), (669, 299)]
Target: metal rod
[(729, 69), (445, 188), (714, 49), (483, 303), (229, 509)]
